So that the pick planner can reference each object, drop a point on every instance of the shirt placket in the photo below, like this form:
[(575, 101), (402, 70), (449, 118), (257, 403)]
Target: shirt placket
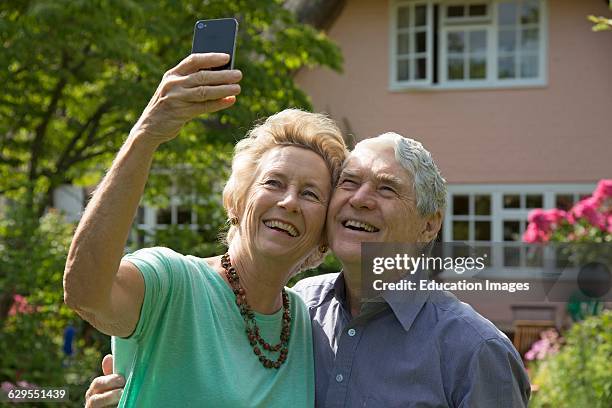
[(338, 389)]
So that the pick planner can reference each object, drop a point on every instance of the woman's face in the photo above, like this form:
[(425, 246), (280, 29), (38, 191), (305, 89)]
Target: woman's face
[(285, 209)]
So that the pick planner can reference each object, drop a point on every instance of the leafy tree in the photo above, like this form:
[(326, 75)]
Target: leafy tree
[(81, 71)]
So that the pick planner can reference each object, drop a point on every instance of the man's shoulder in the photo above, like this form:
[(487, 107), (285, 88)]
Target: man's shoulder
[(459, 322), (314, 289)]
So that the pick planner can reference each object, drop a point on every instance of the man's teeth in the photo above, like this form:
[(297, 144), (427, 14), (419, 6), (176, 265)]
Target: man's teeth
[(290, 229), (360, 225)]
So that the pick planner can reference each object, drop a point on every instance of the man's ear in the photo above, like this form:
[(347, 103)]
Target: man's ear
[(433, 223)]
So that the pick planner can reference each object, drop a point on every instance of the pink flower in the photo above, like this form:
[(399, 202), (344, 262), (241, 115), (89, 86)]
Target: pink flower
[(587, 209), (603, 190), (555, 216), (540, 219), (533, 234), (609, 222), (20, 305)]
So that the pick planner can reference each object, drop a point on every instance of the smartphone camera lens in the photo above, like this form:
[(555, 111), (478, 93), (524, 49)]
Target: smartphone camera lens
[(200, 25)]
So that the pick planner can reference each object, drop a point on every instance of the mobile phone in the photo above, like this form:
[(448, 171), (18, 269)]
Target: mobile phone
[(217, 35)]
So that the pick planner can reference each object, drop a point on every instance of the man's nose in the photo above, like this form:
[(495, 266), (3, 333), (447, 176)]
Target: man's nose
[(290, 201), (363, 198)]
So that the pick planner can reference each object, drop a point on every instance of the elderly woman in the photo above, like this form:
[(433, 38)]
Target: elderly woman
[(220, 331)]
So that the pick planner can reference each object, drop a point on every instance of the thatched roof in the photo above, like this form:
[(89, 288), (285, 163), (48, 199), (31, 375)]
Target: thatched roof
[(318, 13)]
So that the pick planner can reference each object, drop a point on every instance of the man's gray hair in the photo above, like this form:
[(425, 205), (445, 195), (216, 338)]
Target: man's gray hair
[(429, 185)]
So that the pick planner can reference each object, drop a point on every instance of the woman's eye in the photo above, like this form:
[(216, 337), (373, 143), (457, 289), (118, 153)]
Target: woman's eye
[(347, 182), (272, 182)]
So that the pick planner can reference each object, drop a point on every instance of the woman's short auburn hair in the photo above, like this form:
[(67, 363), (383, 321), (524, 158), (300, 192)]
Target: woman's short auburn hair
[(290, 127)]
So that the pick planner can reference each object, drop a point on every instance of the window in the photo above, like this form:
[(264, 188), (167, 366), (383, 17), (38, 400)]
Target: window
[(451, 44), (480, 213), (180, 211)]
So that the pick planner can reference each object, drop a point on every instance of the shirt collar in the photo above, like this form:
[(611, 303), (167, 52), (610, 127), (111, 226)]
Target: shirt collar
[(405, 305)]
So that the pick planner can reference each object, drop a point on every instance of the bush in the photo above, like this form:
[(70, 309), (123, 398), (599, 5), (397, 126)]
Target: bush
[(33, 254), (580, 374)]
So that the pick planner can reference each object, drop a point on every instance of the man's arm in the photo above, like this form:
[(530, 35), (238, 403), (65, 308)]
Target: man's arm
[(105, 391), (495, 378)]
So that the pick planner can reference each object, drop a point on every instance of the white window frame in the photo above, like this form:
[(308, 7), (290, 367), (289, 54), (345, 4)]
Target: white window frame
[(491, 80), (499, 214)]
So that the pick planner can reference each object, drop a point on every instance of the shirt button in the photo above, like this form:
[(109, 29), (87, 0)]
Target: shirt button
[(339, 378), (351, 332)]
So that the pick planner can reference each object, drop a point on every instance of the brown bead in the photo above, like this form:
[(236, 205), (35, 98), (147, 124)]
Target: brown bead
[(256, 350), (277, 364)]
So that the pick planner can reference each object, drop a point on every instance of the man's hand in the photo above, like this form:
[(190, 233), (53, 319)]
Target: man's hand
[(105, 391), (186, 91)]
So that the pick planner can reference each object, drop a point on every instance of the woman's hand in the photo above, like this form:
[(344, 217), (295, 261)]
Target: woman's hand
[(186, 91)]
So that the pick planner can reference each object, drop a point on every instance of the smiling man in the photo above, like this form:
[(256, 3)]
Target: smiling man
[(422, 349)]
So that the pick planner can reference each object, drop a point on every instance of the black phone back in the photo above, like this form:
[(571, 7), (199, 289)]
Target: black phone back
[(216, 36)]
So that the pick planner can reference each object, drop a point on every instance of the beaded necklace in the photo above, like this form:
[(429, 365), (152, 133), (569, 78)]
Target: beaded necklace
[(252, 330)]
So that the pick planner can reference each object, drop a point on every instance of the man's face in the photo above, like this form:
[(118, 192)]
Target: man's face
[(374, 201)]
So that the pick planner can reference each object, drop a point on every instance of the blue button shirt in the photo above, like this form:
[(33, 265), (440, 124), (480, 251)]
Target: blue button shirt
[(421, 349)]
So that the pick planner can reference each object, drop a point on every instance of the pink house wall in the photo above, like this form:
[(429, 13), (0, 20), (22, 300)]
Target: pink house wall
[(554, 134)]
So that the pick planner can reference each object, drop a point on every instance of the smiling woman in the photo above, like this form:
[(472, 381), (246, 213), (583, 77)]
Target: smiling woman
[(220, 331)]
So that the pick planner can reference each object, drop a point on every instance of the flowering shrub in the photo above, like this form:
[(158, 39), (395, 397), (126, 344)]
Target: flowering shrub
[(549, 344), (589, 220), (579, 374)]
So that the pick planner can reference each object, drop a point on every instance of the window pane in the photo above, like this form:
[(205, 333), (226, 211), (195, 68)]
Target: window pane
[(403, 67), (403, 17), (529, 66), (512, 230), (564, 201), (421, 68), (476, 10), (478, 68), (183, 215), (164, 216), (140, 219), (530, 39), (461, 205), (482, 204), (421, 42), (512, 201), (512, 256), (478, 42), (461, 231), (482, 230), (507, 40), (530, 12), (505, 67), (456, 42), (455, 68), (507, 13), (534, 201), (403, 43), (454, 11), (420, 16)]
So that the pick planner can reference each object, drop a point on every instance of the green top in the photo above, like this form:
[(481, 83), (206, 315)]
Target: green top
[(190, 349)]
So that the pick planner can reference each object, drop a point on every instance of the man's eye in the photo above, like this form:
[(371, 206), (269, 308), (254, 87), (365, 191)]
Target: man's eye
[(388, 190), (347, 182), (312, 194)]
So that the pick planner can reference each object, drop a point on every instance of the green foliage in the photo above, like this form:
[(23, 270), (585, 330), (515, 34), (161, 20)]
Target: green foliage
[(330, 264), (602, 23), (580, 375), (80, 72), (33, 255)]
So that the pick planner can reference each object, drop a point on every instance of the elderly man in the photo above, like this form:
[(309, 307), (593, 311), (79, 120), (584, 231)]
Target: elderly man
[(430, 351)]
